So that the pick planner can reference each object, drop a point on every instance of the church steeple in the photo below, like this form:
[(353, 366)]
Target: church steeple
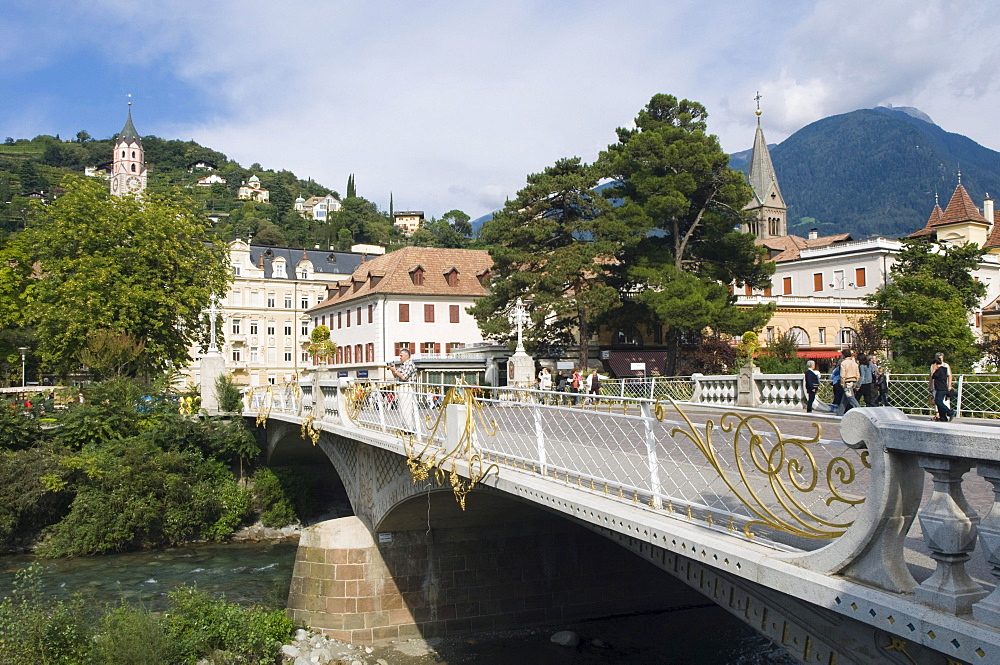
[(767, 204), (128, 170)]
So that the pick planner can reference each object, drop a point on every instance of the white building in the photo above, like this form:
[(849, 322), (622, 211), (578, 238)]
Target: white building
[(408, 221), (251, 189), (414, 298), (210, 180), (265, 327), (317, 207)]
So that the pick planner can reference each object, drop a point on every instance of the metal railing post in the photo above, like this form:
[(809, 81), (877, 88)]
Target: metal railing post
[(958, 399), (652, 459), (539, 435)]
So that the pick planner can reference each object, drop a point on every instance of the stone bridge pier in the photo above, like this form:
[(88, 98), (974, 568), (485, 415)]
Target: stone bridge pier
[(411, 563)]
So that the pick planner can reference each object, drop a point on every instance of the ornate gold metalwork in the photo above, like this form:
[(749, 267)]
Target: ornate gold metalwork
[(310, 430), (431, 458), (355, 399), (264, 412), (899, 644), (786, 465)]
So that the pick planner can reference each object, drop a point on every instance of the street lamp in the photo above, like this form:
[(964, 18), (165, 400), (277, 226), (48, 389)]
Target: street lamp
[(24, 356), (840, 313)]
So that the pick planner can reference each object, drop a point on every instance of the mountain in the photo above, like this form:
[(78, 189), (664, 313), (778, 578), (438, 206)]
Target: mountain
[(876, 171)]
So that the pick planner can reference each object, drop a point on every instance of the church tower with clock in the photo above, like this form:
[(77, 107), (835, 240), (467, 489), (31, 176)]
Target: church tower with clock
[(128, 171)]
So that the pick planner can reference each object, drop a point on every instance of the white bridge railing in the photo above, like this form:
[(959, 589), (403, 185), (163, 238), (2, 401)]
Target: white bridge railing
[(824, 506)]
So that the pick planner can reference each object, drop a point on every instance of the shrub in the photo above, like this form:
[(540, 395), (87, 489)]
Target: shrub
[(35, 630), (18, 429), (27, 505), (130, 495), (132, 636), (275, 507), (228, 394), (204, 627)]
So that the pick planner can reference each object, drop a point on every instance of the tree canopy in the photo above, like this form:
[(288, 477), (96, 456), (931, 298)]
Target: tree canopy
[(90, 262), (553, 246), (924, 307), (682, 206)]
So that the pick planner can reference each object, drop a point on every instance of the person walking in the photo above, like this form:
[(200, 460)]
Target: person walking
[(940, 387), (812, 384), (544, 383), (849, 375), (576, 384), (593, 386), (865, 387), (881, 379), (838, 390)]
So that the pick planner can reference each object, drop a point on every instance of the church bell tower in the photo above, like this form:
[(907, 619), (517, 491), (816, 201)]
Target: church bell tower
[(128, 171), (770, 214)]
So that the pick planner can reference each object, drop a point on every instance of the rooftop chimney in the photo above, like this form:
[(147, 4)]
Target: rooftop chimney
[(813, 234), (988, 209)]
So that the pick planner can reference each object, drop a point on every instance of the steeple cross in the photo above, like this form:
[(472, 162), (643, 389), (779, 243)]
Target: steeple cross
[(212, 312)]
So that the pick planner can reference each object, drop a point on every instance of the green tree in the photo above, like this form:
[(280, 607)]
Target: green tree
[(145, 267), (550, 247), (683, 205), (924, 307), (351, 191)]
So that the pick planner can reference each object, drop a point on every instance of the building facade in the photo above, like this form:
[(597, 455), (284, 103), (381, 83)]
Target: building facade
[(414, 298), (251, 190), (264, 328)]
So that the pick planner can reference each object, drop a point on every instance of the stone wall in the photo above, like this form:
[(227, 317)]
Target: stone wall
[(354, 587)]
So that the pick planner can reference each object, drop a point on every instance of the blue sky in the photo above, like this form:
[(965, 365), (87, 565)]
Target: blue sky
[(451, 104)]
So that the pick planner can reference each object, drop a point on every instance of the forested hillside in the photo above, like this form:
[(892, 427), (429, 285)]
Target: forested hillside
[(875, 171), (33, 168)]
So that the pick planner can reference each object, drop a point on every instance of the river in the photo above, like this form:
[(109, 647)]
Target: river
[(259, 573)]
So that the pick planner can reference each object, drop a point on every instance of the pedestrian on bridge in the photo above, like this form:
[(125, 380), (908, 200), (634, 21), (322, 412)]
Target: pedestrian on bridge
[(940, 387), (406, 372), (593, 386), (812, 384)]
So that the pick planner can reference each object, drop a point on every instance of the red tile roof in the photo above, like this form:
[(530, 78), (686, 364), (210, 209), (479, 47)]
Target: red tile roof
[(789, 247), (391, 274)]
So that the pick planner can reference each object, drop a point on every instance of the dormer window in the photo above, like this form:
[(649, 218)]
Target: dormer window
[(375, 279), (278, 268), (484, 277), (451, 277), (417, 276)]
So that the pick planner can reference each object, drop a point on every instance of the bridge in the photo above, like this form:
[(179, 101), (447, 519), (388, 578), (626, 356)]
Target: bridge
[(846, 541)]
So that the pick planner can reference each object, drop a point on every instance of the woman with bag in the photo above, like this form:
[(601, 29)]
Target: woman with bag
[(940, 387)]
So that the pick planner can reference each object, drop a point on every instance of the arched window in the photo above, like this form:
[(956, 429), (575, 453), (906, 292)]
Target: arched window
[(799, 336), (133, 168)]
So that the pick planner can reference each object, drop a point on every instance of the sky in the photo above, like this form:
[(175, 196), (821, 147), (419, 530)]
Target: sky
[(452, 104)]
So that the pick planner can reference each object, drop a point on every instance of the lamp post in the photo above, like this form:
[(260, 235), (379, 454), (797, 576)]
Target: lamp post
[(840, 311), (24, 356)]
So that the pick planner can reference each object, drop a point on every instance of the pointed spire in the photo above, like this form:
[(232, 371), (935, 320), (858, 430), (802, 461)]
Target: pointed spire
[(128, 133), (961, 208), (761, 172)]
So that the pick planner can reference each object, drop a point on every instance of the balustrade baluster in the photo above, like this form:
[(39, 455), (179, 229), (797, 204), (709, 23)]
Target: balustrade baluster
[(988, 609), (949, 527)]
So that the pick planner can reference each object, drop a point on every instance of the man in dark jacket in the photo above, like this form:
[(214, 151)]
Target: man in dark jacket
[(812, 384)]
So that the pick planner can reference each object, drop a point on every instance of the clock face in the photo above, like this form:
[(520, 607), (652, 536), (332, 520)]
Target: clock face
[(133, 183)]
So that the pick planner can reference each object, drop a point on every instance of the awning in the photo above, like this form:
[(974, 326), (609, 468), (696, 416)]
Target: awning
[(818, 354), (619, 362)]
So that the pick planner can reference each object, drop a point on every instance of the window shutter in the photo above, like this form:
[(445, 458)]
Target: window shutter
[(395, 351), (429, 313), (404, 312), (370, 313), (437, 347), (453, 313)]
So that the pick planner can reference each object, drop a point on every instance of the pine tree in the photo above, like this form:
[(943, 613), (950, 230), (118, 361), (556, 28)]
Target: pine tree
[(351, 191)]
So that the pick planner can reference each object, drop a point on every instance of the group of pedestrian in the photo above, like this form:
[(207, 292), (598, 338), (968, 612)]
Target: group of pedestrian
[(853, 379), (576, 383)]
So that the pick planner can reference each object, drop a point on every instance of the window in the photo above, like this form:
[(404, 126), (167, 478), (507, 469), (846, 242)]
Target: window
[(236, 270), (236, 355), (822, 335), (786, 285), (288, 302), (370, 352), (254, 299), (453, 313), (359, 316), (800, 336), (767, 290), (304, 302), (278, 268), (769, 335), (417, 276), (270, 327), (817, 281), (253, 327), (371, 313), (399, 346), (846, 337), (430, 347), (305, 330), (747, 290), (428, 313), (348, 312), (270, 300), (452, 277), (859, 277), (347, 354), (340, 319), (236, 298), (270, 355), (271, 380), (254, 354), (404, 312), (358, 350), (319, 298), (288, 355), (288, 329), (304, 357), (236, 326)]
